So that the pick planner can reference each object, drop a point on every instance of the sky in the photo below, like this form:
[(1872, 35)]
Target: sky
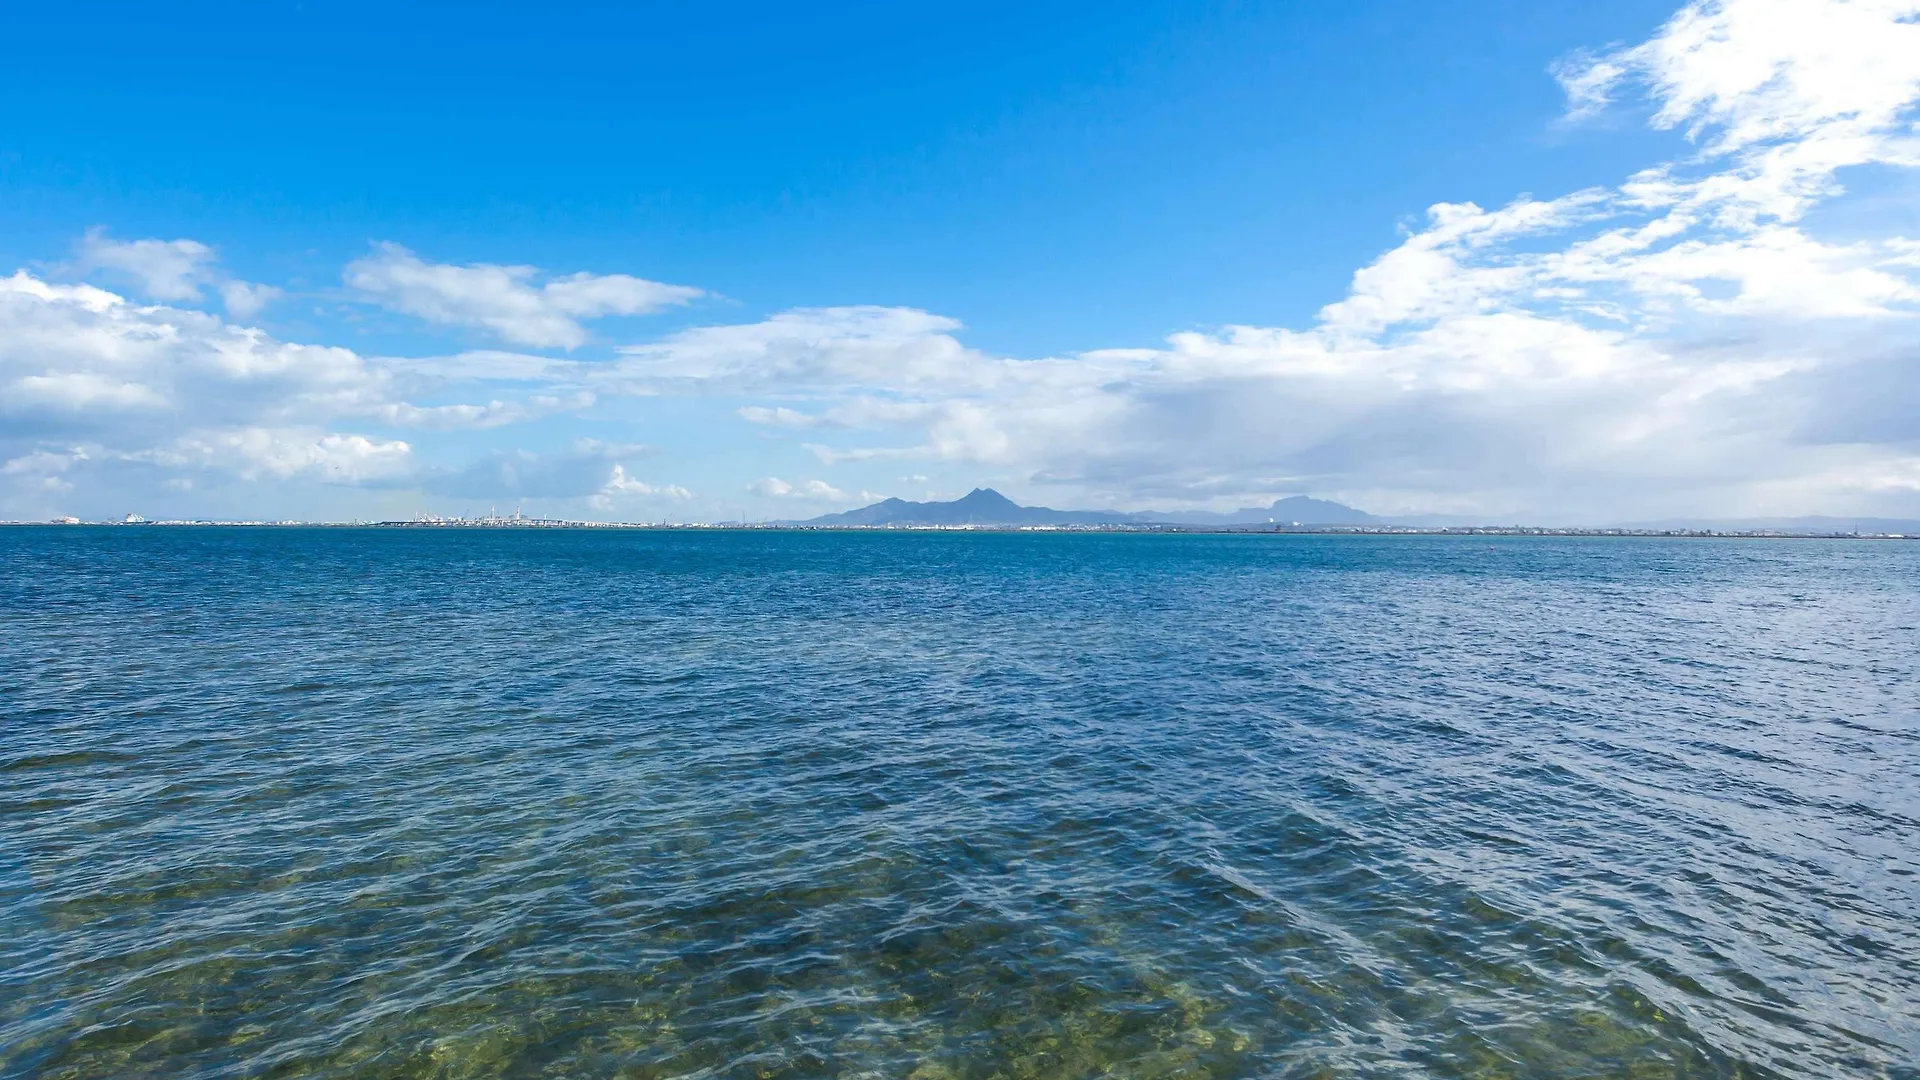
[(1564, 263)]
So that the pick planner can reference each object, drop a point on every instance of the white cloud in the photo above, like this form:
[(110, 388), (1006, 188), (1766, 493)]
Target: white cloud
[(86, 352), (1453, 266), (1739, 73), (244, 300), (172, 398), (44, 470), (41, 463), (619, 485), (280, 453), (164, 269), (1782, 94), (507, 300), (773, 487), (172, 271)]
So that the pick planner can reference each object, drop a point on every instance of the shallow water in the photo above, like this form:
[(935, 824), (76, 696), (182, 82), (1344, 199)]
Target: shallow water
[(409, 803)]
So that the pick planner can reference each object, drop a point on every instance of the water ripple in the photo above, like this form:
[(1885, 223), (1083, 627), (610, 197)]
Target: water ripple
[(382, 803)]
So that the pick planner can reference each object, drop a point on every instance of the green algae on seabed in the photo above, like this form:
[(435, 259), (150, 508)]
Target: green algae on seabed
[(954, 1002)]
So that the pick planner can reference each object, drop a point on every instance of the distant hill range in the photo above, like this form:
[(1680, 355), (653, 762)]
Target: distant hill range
[(987, 507), (1787, 524), (984, 506), (981, 506)]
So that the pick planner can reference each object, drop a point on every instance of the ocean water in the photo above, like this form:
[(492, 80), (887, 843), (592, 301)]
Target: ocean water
[(305, 802)]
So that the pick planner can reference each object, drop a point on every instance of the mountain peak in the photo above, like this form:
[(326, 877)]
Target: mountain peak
[(981, 506), (985, 506)]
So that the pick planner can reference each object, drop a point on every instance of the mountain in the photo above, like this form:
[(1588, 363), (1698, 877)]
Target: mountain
[(984, 506), (981, 506)]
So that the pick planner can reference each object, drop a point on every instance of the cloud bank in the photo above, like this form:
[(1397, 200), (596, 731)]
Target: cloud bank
[(1680, 342), (131, 399)]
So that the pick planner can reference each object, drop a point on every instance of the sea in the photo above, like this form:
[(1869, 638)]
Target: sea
[(363, 802)]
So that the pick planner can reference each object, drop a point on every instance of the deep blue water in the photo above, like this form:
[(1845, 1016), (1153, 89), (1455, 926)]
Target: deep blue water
[(291, 802)]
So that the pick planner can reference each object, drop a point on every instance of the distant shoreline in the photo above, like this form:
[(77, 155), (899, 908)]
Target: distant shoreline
[(1150, 528)]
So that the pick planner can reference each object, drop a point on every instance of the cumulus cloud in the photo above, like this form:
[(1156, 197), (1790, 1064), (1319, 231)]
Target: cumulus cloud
[(163, 269), (773, 487), (281, 453), (44, 470), (246, 453), (509, 301), (244, 300), (96, 389), (171, 270), (76, 357), (620, 486), (79, 357)]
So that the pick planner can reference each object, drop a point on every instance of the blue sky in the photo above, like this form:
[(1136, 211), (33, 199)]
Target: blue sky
[(920, 247)]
